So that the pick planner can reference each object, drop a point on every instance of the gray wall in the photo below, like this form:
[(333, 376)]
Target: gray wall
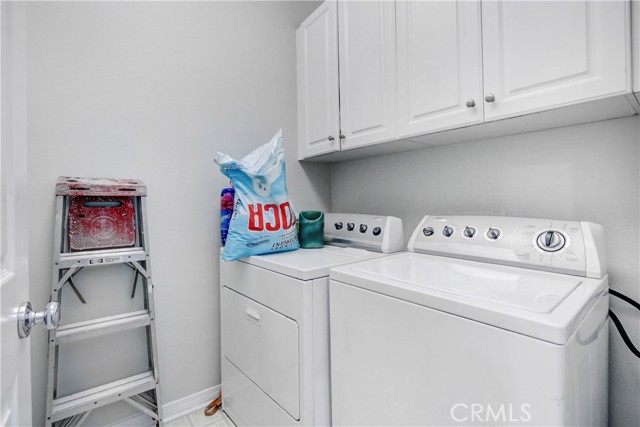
[(152, 90), (588, 172)]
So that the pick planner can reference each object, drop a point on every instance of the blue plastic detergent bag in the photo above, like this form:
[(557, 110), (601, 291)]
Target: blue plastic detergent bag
[(263, 219)]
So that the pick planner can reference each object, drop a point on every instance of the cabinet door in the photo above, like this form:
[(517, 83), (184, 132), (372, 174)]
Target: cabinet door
[(368, 86), (318, 97), (439, 65), (544, 54)]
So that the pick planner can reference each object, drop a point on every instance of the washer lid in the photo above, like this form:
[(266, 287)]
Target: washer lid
[(510, 287), (307, 264), (544, 305)]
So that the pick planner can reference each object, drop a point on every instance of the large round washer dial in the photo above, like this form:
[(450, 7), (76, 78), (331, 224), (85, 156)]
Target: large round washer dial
[(551, 241)]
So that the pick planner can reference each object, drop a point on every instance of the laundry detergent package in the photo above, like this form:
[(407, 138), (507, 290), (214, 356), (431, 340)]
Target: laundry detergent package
[(263, 219), (226, 209)]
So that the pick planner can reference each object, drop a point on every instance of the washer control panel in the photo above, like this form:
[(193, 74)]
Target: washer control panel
[(372, 232), (569, 247)]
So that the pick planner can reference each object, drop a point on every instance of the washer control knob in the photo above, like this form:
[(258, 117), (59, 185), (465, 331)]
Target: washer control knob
[(338, 225), (377, 231), (363, 228), (427, 231), (551, 241), (447, 231), (469, 232), (350, 226), (493, 233)]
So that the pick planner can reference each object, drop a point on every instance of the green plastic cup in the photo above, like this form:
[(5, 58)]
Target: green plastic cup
[(311, 229)]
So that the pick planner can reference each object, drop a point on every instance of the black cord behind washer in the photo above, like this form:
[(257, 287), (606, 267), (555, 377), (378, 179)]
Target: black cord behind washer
[(618, 324)]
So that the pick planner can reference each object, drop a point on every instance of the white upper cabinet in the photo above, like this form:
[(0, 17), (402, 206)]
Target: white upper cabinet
[(539, 55), (318, 93), (368, 83), (375, 71), (439, 65)]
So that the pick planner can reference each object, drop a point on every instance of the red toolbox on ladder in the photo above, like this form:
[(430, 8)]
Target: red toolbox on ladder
[(102, 214)]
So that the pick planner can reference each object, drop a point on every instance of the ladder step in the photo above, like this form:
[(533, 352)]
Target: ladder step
[(96, 397), (102, 257), (102, 326)]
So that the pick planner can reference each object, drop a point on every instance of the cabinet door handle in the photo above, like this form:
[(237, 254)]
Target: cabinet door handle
[(341, 136), (490, 97), (253, 314), (331, 138), (470, 103)]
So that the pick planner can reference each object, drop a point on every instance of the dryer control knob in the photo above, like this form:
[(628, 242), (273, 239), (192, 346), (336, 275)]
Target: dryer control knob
[(447, 231), (363, 228), (551, 241), (338, 225), (469, 232), (493, 233), (350, 226), (377, 231)]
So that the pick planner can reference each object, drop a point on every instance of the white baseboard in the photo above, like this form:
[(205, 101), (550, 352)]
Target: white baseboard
[(186, 405), (173, 410)]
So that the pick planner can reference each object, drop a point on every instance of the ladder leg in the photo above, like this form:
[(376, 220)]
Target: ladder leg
[(66, 423), (144, 401), (81, 418), (52, 354), (135, 283), (150, 302), (142, 408), (77, 271), (77, 292)]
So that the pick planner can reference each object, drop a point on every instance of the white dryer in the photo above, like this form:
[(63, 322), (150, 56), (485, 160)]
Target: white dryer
[(275, 320), (485, 321)]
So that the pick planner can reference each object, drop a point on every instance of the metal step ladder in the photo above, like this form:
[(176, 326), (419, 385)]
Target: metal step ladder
[(102, 222)]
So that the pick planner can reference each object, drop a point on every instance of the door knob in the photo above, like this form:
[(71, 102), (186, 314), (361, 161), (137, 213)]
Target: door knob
[(470, 103), (331, 138), (490, 97), (50, 318)]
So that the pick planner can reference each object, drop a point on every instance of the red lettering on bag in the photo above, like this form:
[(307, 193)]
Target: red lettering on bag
[(276, 216), (283, 217), (256, 220), (288, 217)]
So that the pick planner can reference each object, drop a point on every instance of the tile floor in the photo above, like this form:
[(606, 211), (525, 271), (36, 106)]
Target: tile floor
[(198, 419)]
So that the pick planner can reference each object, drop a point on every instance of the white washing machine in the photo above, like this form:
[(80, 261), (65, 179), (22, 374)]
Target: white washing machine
[(485, 321), (275, 323)]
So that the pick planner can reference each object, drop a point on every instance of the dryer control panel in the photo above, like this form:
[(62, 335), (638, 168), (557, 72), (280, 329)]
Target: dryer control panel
[(375, 233), (569, 247)]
